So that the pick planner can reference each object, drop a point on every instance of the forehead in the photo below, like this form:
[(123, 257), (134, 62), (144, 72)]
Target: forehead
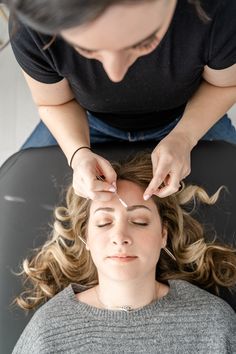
[(127, 24), (131, 194)]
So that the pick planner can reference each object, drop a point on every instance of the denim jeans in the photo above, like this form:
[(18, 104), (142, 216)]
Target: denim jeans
[(101, 132)]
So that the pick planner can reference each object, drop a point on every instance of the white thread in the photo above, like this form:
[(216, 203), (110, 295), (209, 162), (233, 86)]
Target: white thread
[(82, 240)]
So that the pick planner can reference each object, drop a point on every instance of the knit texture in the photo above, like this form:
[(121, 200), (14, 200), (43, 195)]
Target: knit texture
[(187, 320)]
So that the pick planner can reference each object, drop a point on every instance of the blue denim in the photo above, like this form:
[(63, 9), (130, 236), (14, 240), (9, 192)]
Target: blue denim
[(40, 137), (101, 132)]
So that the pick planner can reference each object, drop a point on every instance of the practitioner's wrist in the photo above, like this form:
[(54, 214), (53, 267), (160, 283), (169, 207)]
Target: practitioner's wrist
[(75, 152)]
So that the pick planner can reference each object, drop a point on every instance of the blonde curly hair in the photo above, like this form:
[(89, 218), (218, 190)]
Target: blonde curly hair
[(63, 259)]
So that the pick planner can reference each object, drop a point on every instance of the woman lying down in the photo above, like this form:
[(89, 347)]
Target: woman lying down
[(96, 276)]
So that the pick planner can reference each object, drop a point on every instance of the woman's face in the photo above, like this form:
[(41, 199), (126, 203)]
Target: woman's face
[(122, 34), (125, 243)]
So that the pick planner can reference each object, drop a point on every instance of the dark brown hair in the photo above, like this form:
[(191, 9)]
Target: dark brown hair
[(53, 16)]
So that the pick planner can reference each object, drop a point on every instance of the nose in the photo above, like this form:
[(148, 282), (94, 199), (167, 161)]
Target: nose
[(120, 237), (121, 242), (115, 65)]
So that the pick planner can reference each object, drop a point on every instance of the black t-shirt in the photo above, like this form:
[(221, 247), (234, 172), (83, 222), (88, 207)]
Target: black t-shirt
[(157, 86)]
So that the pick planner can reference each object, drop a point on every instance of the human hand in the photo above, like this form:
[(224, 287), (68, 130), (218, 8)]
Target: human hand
[(88, 167), (171, 164)]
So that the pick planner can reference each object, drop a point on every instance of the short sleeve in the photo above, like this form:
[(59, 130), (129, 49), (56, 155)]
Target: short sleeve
[(27, 46), (222, 43)]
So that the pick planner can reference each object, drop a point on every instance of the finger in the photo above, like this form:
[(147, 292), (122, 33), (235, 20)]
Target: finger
[(172, 186), (101, 196), (80, 185), (158, 178), (80, 191), (107, 171), (97, 185), (93, 190), (90, 179), (89, 189), (155, 161)]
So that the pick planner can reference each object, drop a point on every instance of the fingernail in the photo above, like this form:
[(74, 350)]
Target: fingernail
[(146, 196), (112, 189)]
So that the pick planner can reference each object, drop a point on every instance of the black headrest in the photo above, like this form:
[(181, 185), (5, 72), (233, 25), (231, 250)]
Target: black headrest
[(33, 181)]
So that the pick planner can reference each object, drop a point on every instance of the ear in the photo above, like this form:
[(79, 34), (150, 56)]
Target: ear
[(164, 236)]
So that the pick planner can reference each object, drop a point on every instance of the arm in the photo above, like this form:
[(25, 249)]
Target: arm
[(171, 157), (68, 123), (205, 108), (55, 102)]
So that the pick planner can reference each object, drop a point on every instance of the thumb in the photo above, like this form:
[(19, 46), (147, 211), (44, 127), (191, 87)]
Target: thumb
[(155, 160), (105, 169)]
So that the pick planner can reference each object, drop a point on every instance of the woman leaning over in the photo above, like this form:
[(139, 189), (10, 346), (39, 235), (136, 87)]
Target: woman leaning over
[(128, 70)]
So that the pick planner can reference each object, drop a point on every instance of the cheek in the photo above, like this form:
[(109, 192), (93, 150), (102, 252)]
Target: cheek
[(155, 249), (96, 240), (151, 252), (96, 249), (155, 239), (151, 244)]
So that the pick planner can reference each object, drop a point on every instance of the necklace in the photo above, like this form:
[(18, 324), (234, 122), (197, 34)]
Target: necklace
[(126, 308)]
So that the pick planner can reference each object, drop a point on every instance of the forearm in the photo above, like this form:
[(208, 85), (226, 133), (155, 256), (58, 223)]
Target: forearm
[(69, 125), (203, 110)]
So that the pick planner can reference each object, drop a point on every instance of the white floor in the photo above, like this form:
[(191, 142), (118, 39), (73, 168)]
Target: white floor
[(18, 116)]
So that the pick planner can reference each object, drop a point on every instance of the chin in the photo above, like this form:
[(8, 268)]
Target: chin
[(123, 274)]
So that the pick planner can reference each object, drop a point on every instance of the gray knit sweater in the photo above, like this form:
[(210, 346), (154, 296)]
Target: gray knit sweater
[(187, 320)]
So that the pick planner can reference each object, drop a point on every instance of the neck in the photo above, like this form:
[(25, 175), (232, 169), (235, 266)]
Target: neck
[(133, 294)]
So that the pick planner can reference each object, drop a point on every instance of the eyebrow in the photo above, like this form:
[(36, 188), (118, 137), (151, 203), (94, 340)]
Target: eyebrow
[(129, 208), (129, 47)]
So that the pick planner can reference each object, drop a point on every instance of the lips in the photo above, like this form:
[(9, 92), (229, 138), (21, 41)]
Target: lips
[(122, 258)]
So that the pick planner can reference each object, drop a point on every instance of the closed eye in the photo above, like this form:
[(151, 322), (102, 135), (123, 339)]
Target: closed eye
[(147, 44), (105, 224), (133, 222), (140, 223)]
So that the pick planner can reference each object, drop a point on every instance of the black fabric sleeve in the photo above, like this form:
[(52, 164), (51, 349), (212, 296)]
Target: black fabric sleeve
[(222, 45), (27, 46)]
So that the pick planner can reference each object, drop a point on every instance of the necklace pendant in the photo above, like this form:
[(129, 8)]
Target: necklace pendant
[(126, 308)]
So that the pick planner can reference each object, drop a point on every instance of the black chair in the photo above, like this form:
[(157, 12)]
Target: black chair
[(33, 181)]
